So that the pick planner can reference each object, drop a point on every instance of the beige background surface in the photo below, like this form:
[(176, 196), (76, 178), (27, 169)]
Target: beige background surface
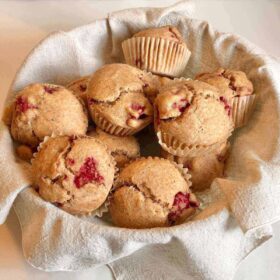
[(24, 23)]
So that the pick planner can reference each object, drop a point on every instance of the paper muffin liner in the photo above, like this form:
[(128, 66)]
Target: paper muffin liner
[(222, 148), (242, 108), (157, 55), (173, 146), (112, 128), (104, 207)]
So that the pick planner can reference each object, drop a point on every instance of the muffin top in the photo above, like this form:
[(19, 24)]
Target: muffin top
[(165, 32), (76, 172), (120, 147), (231, 83), (194, 113), (79, 87), (153, 83), (148, 193), (42, 110), (116, 92), (110, 81)]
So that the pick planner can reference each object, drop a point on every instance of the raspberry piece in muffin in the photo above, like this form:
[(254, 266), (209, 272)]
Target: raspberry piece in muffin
[(76, 174), (181, 203), (22, 105), (50, 88), (88, 173), (148, 194)]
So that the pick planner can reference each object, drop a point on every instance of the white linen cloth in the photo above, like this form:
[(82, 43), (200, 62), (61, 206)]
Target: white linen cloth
[(244, 204)]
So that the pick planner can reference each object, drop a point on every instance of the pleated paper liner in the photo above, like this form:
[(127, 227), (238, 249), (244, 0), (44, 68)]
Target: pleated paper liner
[(157, 55), (101, 209), (173, 146), (222, 149), (115, 129), (242, 108)]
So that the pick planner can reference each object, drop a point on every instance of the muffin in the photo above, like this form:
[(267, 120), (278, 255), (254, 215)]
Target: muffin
[(116, 100), (42, 110), (151, 192), (79, 87), (25, 152), (75, 173), (205, 168), (152, 84), (191, 118), (159, 50), (123, 149), (237, 89)]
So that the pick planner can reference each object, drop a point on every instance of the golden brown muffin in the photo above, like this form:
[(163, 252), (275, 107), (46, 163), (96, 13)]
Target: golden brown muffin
[(231, 83), (151, 192), (42, 110), (190, 117), (75, 173), (123, 149), (79, 87), (116, 100), (159, 50), (205, 168), (152, 84), (236, 89)]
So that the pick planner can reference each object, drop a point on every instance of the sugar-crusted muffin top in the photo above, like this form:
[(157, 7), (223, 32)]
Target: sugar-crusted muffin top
[(230, 82), (44, 109), (193, 112), (77, 172), (165, 32)]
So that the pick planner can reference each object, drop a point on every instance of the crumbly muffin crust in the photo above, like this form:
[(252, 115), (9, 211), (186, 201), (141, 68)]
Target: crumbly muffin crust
[(42, 110), (75, 173), (148, 193), (123, 149), (194, 113), (231, 83), (116, 93)]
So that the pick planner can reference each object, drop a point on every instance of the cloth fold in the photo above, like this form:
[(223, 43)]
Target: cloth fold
[(242, 206)]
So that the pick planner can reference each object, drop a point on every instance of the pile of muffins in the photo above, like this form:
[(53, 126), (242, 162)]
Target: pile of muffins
[(80, 138)]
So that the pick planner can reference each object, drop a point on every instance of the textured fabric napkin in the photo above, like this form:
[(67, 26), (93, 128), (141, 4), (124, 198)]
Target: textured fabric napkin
[(242, 206)]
